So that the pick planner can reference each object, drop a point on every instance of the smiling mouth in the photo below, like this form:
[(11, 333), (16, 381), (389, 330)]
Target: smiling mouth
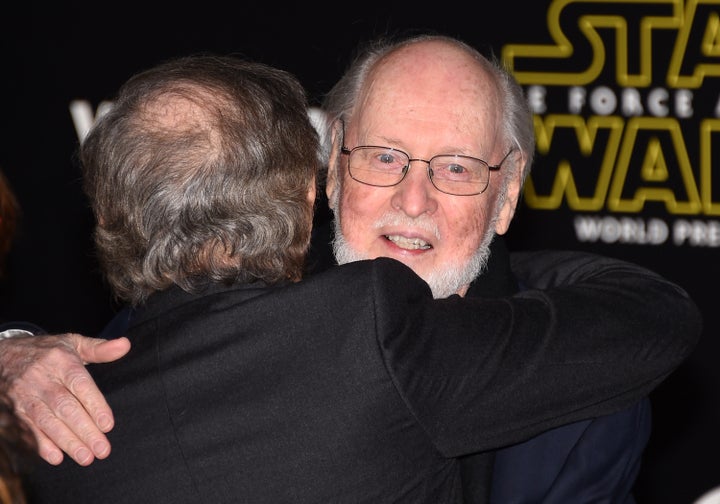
[(409, 243)]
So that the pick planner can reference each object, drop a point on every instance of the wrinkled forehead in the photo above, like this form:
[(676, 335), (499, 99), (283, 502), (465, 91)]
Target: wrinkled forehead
[(438, 90)]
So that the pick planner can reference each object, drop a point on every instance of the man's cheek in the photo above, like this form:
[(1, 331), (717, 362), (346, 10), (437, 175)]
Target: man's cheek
[(361, 205), (469, 232)]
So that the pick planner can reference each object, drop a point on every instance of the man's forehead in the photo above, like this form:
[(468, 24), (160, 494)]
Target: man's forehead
[(456, 110), (407, 120), (459, 92)]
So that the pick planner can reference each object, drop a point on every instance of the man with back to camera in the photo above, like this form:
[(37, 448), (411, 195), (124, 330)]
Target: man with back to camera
[(418, 237)]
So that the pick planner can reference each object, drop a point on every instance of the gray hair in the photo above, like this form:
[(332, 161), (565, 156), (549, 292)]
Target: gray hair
[(518, 121), (200, 173)]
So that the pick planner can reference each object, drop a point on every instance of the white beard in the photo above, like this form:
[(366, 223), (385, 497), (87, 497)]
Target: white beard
[(445, 281)]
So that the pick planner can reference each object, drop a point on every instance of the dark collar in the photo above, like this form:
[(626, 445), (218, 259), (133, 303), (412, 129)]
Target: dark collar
[(498, 279), (174, 296)]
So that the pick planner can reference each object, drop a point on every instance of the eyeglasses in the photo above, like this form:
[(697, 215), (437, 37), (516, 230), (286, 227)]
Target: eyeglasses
[(450, 173)]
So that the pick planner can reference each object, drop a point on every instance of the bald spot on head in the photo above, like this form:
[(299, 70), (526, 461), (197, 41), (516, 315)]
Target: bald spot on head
[(182, 110), (431, 82), (186, 114)]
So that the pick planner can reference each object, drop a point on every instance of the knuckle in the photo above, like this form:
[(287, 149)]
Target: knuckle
[(44, 420), (67, 408), (35, 411)]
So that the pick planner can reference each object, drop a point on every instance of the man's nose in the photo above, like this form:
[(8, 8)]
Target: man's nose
[(415, 195)]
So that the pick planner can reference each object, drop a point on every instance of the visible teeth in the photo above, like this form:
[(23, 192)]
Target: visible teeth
[(408, 243)]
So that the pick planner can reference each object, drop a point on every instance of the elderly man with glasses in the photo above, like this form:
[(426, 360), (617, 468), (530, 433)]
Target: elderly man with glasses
[(431, 146)]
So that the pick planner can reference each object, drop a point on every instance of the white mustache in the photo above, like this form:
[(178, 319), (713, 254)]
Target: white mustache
[(424, 223)]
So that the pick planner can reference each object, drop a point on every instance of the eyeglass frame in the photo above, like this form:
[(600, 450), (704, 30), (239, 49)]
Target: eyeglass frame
[(491, 168)]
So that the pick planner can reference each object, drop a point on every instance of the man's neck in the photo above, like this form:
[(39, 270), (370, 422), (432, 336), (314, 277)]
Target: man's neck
[(497, 279)]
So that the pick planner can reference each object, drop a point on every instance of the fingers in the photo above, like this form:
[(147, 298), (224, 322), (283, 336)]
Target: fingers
[(83, 417), (63, 410), (50, 451), (82, 387)]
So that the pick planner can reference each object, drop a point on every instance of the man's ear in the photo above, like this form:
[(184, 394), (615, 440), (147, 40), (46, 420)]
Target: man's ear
[(312, 191), (331, 184), (513, 190)]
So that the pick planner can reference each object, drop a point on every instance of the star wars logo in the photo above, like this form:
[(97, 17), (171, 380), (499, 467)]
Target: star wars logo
[(627, 118)]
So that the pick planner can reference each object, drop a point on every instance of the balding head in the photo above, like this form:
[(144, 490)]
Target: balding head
[(203, 170)]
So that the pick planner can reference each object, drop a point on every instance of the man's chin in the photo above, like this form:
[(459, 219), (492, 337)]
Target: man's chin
[(419, 266)]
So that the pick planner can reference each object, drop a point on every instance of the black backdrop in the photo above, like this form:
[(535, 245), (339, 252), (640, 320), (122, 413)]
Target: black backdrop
[(623, 198)]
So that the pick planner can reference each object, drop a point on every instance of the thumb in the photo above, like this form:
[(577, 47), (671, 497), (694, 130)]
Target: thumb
[(96, 350)]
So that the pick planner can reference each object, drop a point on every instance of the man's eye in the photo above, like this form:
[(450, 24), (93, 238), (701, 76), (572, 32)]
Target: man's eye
[(386, 158), (455, 169)]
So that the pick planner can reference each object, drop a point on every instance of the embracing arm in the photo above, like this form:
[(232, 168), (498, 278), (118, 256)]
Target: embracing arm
[(484, 373), (53, 392)]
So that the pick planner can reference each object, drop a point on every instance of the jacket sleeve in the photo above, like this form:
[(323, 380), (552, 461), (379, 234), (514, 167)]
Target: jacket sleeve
[(480, 374)]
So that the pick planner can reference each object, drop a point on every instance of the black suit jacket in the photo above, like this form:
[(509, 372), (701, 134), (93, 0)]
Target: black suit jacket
[(355, 386)]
